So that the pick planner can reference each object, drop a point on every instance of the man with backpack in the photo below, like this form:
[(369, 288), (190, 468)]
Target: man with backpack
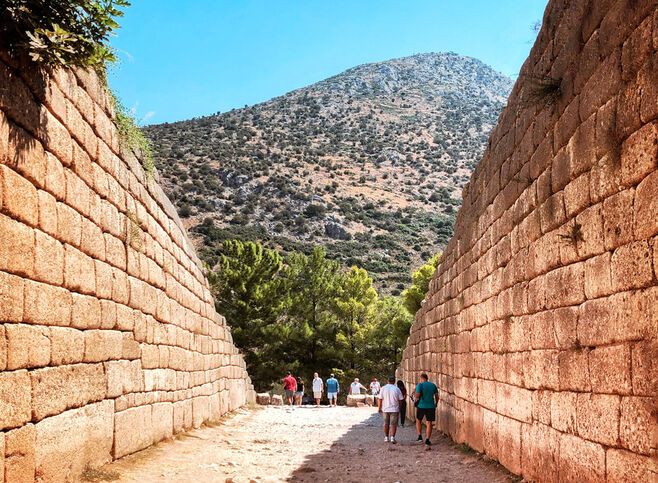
[(426, 399)]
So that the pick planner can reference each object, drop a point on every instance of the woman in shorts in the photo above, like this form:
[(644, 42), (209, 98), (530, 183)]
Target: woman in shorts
[(299, 395)]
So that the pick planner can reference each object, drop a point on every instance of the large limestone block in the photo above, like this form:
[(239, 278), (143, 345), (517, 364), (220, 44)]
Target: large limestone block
[(353, 400), (263, 398), (15, 399), (68, 442), (277, 400), (19, 455), (132, 430), (162, 420), (85, 383), (200, 410)]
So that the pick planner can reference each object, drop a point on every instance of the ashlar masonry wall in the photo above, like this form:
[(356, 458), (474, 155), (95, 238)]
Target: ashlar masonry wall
[(109, 340), (541, 323)]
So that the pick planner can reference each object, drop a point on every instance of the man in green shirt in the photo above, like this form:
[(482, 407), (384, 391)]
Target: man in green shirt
[(427, 395)]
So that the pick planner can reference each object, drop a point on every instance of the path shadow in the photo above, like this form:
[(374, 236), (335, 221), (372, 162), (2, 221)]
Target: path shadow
[(362, 455)]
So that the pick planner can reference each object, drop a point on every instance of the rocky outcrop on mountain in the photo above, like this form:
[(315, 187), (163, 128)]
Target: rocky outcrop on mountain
[(381, 150)]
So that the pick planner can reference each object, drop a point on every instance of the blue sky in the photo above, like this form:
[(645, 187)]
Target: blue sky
[(187, 58)]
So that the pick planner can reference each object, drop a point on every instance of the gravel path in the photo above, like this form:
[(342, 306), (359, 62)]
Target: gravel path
[(303, 445)]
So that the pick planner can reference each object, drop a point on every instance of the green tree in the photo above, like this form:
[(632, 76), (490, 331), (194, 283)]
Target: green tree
[(247, 285), (311, 285), (414, 295), (391, 332), (354, 307)]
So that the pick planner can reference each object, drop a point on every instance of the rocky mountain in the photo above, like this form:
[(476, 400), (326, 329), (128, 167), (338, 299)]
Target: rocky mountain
[(369, 163)]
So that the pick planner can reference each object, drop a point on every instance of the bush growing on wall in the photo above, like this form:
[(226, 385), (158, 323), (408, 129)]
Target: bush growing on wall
[(61, 32)]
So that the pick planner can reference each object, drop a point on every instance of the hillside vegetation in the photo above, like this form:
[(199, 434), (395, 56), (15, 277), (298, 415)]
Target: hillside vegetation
[(369, 163)]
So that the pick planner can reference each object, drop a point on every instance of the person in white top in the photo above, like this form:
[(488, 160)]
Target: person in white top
[(375, 387), (388, 402), (356, 386), (318, 387)]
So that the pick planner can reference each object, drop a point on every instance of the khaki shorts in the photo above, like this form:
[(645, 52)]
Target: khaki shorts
[(391, 419), (317, 395)]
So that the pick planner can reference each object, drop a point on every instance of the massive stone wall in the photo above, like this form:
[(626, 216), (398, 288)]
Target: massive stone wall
[(541, 323), (109, 340)]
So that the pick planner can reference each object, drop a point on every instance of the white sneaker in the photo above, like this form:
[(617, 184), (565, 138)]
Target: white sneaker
[(385, 439), (393, 440)]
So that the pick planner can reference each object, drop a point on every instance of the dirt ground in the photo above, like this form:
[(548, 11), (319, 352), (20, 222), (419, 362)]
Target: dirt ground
[(303, 445)]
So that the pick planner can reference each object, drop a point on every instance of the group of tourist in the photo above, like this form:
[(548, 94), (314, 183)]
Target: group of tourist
[(390, 399)]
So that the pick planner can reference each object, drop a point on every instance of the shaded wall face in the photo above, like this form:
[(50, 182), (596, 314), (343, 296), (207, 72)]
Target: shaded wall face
[(109, 340), (541, 323)]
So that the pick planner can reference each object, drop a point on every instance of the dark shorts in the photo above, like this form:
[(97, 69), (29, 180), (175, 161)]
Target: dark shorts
[(290, 393), (427, 413)]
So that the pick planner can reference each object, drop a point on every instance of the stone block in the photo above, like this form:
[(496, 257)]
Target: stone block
[(11, 297), (102, 345), (646, 207), (69, 225), (86, 383), (162, 420), (55, 180), (591, 232), (639, 154), (48, 213), (597, 417), (631, 266), (130, 348), (20, 199), (565, 286), (573, 370), (540, 453), (509, 444), (576, 195), (514, 402), (552, 212), (200, 410), (263, 398), (610, 369), (581, 460), (49, 259), (19, 455), (638, 423), (15, 399), (27, 346), (46, 304), (123, 377), (628, 467), (132, 431), (68, 443), (598, 281), (563, 411), (644, 360), (108, 314), (490, 433), (15, 237), (277, 400), (67, 345), (618, 318), (182, 415), (618, 219), (85, 312), (79, 271)]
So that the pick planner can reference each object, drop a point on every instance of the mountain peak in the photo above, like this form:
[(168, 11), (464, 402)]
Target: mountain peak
[(370, 162)]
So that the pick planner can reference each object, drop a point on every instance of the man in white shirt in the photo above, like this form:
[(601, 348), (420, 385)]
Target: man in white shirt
[(356, 386), (375, 387), (388, 402), (318, 386)]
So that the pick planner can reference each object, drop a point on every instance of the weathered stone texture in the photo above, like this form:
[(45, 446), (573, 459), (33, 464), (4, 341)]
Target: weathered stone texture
[(543, 313), (108, 343)]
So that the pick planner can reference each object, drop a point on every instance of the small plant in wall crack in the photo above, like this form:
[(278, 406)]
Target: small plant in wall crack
[(541, 89), (133, 138), (574, 235)]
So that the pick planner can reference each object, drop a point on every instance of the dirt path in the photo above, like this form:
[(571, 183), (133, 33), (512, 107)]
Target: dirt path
[(304, 445)]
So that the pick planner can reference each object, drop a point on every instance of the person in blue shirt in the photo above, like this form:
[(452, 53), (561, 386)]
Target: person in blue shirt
[(427, 397), (333, 388)]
